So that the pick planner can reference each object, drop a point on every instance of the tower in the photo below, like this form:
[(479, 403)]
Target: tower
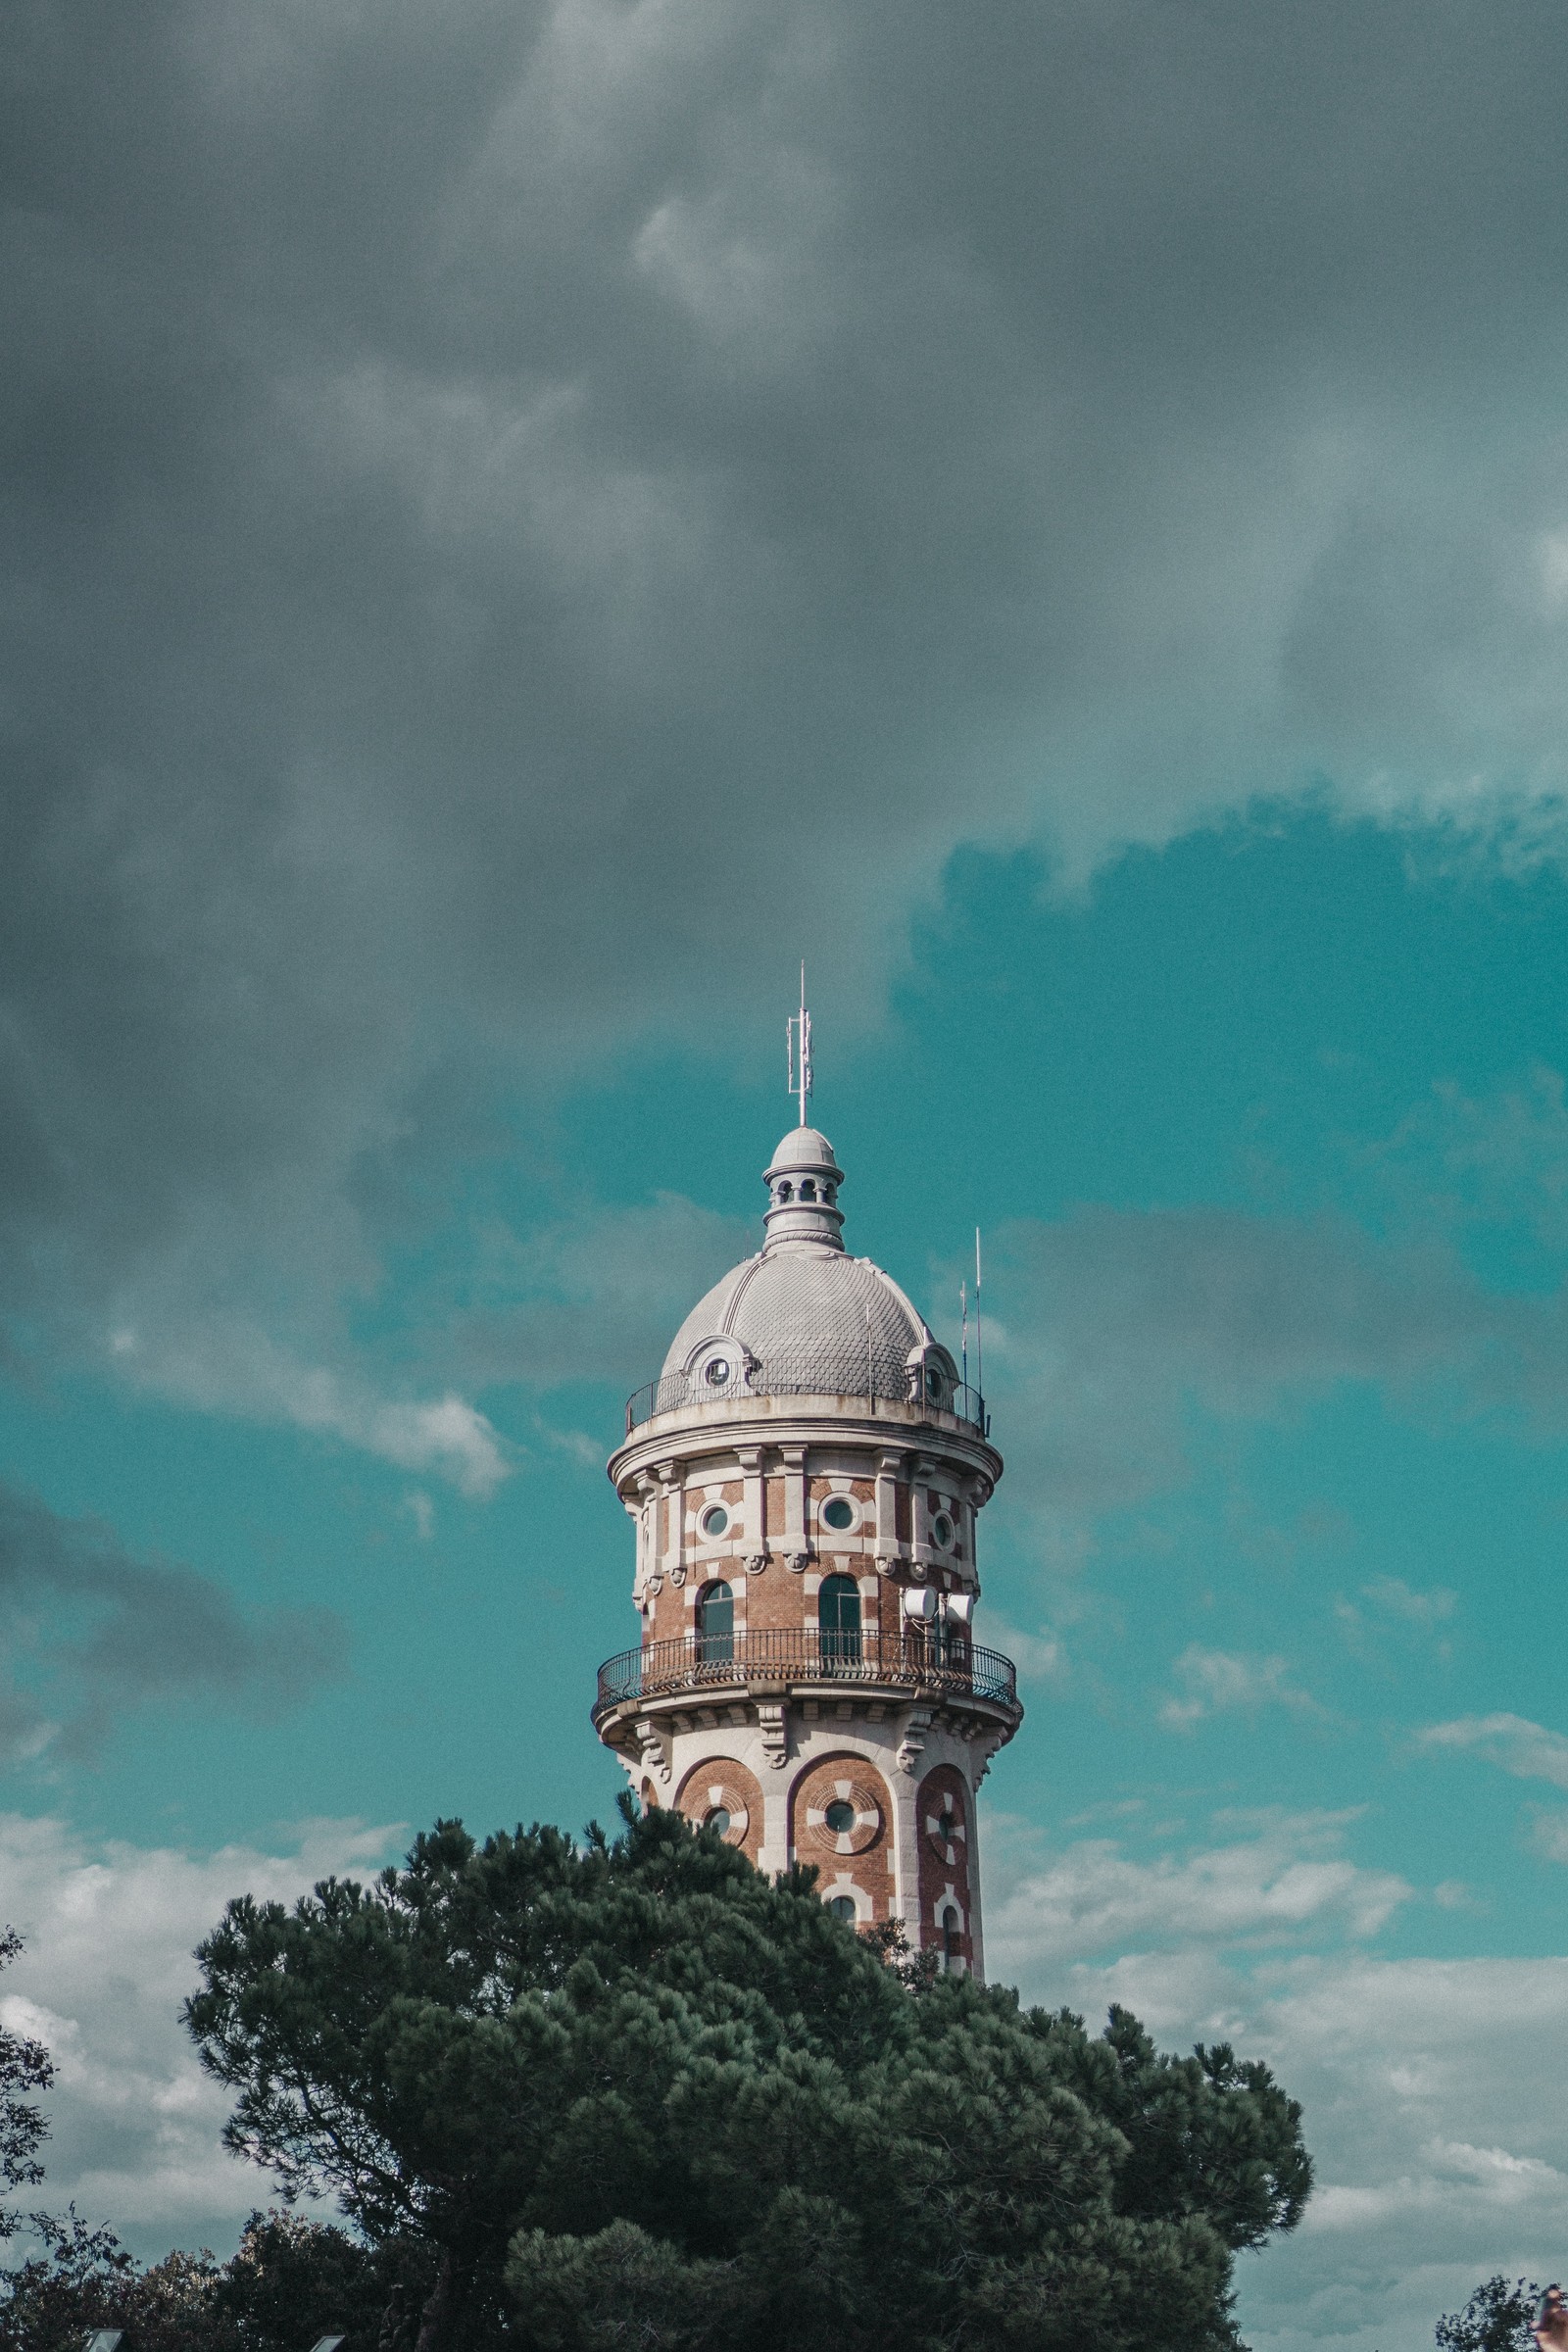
[(805, 1476)]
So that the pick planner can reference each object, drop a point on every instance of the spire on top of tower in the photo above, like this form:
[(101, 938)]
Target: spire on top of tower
[(797, 1048), (804, 1179)]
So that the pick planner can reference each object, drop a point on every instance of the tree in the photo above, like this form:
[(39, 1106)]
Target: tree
[(1497, 2318), (25, 2067), (633, 2093), (290, 2281)]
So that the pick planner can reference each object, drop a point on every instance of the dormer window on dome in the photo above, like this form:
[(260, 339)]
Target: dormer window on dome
[(933, 1376), (718, 1366)]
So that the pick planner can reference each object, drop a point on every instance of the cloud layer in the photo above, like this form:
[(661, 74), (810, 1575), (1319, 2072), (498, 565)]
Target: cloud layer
[(1118, 1322), (110, 1930), (1430, 2087), (477, 487), (91, 1632)]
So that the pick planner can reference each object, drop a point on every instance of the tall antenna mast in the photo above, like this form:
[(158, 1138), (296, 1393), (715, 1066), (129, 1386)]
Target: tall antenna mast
[(979, 1365), (798, 1036), (963, 1318)]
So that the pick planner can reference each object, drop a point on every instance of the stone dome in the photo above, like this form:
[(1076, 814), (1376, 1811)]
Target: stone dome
[(802, 1315)]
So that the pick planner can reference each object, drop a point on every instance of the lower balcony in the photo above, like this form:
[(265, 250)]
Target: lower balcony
[(931, 1664)]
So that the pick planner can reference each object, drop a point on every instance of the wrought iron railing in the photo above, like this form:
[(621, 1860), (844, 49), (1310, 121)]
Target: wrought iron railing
[(804, 1376), (936, 1660)]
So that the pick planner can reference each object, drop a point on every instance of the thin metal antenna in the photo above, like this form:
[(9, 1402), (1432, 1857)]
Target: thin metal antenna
[(979, 1363), (963, 1319), (798, 1036)]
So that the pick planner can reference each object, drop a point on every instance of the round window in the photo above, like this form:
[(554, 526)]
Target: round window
[(839, 1817), (842, 1906), (942, 1530), (716, 1819), (717, 1372), (714, 1522), (933, 1380), (838, 1512)]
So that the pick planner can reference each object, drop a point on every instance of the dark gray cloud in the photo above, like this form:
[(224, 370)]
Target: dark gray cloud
[(86, 1632), (516, 513), (1116, 1324), (597, 1296)]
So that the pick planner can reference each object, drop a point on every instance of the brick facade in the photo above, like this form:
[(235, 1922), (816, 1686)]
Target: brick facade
[(857, 1858), (720, 1781), (944, 1825)]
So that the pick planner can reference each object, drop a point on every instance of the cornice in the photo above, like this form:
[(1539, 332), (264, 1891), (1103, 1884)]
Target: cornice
[(729, 1424)]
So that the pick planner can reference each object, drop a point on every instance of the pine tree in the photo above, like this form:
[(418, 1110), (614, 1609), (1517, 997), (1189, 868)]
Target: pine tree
[(632, 2093)]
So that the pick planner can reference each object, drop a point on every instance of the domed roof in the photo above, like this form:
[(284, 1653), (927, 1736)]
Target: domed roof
[(801, 1148), (802, 1315), (812, 1317)]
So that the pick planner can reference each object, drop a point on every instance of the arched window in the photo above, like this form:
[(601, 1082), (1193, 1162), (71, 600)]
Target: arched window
[(842, 1906), (952, 1929), (716, 1624), (838, 1614)]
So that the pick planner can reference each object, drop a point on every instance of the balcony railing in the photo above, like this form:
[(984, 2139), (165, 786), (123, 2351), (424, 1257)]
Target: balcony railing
[(939, 1661), (803, 1375)]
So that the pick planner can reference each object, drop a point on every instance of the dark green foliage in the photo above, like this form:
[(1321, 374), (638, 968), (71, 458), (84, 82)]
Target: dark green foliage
[(632, 2094), (25, 2067), (294, 2281), (1497, 2318), (80, 2282), (291, 2282)]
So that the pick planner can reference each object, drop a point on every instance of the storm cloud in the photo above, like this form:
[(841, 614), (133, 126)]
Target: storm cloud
[(515, 514), (89, 1633)]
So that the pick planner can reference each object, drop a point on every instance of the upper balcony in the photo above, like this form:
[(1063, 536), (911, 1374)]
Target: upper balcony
[(804, 1373), (921, 1665)]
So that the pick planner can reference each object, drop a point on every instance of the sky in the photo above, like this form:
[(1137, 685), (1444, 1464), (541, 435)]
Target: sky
[(521, 520)]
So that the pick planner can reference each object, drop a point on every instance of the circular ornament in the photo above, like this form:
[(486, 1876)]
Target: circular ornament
[(847, 1818), (715, 1805)]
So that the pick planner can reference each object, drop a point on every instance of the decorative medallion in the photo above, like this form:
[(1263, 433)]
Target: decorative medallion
[(848, 1820)]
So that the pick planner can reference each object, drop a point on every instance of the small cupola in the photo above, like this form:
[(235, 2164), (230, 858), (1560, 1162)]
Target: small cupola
[(803, 1183)]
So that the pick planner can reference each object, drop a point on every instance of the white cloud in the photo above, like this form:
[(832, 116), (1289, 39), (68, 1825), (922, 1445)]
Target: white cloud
[(1396, 1598), (222, 1364), (1039, 1657), (1549, 1834), (1431, 2088), (1218, 1683), (1266, 1888), (109, 1929), (1526, 1750)]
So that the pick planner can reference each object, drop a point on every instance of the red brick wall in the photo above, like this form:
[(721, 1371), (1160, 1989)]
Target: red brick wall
[(945, 1864), (863, 1855), (737, 1791)]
